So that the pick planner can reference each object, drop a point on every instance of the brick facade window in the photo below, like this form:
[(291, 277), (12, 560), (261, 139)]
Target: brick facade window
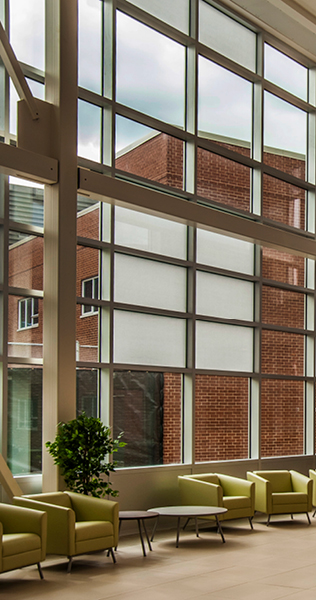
[(89, 289), (27, 313)]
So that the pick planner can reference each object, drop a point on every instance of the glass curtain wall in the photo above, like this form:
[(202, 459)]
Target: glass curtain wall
[(181, 333)]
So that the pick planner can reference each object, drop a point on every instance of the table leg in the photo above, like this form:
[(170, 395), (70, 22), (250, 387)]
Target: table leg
[(154, 530), (178, 533), (141, 537), (220, 528), (196, 527), (148, 540)]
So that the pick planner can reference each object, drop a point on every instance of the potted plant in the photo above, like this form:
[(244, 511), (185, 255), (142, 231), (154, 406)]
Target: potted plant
[(81, 449)]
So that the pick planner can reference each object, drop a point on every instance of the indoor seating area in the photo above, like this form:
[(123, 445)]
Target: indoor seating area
[(158, 277)]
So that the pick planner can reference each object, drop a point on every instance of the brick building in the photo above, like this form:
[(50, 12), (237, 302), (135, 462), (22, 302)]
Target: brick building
[(148, 405)]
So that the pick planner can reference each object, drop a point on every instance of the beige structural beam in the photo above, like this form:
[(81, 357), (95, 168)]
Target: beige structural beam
[(13, 68), (9, 484), (30, 165), (59, 310), (165, 205)]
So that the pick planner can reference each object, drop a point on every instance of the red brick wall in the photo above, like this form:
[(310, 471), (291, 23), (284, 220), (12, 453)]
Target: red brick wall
[(282, 416), (282, 307), (221, 418), (282, 353), (172, 402)]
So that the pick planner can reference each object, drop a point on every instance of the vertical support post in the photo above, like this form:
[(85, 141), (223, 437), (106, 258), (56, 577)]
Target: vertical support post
[(59, 331)]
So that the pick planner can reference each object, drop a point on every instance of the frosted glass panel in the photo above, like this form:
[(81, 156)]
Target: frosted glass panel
[(224, 252), (226, 36), (224, 297), (145, 232), (285, 72), (224, 347), (149, 339), (89, 44), (149, 283), (175, 13)]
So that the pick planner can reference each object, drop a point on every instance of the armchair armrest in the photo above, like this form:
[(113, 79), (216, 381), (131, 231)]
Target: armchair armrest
[(88, 508), (60, 525), (304, 484), (196, 492), (263, 493), (312, 475)]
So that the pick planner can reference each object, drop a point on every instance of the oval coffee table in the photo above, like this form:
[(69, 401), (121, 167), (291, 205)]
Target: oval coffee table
[(189, 512)]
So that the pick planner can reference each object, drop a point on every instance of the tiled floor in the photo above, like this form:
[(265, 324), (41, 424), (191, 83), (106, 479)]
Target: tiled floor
[(272, 562)]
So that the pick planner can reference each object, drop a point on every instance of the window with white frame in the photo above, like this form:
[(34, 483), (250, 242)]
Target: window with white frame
[(89, 289), (28, 313)]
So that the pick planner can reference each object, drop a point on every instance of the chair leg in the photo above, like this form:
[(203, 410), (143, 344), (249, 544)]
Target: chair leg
[(314, 513), (268, 520), (292, 516), (309, 521), (250, 521), (40, 570), (69, 564), (110, 551)]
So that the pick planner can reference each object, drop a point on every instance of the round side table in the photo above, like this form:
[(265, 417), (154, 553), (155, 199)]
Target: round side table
[(139, 516)]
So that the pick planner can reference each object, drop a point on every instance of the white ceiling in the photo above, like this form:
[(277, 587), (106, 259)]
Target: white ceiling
[(293, 21)]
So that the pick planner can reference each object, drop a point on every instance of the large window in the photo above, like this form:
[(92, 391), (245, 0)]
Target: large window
[(195, 280)]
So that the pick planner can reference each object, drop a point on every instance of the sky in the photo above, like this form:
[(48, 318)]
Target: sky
[(151, 77)]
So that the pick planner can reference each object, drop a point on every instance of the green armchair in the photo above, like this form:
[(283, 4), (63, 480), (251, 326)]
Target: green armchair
[(214, 489), (312, 474), (282, 492), (22, 537), (76, 524)]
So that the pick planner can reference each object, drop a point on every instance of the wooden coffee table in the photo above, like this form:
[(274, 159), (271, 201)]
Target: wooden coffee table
[(189, 512)]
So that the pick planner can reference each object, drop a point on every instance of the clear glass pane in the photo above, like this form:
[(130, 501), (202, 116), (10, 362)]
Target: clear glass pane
[(285, 72), (175, 13), (225, 107), (283, 202), (25, 327), (224, 252), (147, 408), (24, 419), (26, 202), (227, 36), (282, 307), (27, 31), (153, 234), (25, 261), (88, 218), (282, 417), (149, 339), (149, 283), (221, 418), (150, 71), (89, 131), (87, 387), (223, 347), (280, 266), (217, 177), (224, 297), (148, 153), (89, 45), (37, 89), (87, 338), (285, 136), (282, 353)]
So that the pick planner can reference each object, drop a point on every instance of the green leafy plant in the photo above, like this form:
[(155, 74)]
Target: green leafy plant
[(81, 450)]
